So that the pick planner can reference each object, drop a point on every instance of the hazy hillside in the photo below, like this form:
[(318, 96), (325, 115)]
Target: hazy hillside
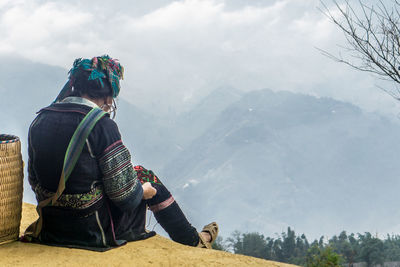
[(148, 137), (258, 161), (196, 121), (273, 160), (156, 139), (25, 87)]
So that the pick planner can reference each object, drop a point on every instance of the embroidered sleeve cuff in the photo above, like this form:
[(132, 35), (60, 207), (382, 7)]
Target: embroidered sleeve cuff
[(119, 178), (132, 201)]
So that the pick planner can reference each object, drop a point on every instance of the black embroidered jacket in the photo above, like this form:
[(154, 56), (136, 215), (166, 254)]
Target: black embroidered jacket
[(102, 204)]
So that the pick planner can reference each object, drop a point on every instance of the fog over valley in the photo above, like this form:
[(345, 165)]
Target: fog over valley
[(256, 160)]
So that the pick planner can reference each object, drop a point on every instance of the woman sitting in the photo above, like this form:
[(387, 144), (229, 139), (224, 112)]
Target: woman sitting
[(89, 193)]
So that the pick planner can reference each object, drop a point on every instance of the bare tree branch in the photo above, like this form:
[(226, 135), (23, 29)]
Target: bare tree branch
[(372, 34)]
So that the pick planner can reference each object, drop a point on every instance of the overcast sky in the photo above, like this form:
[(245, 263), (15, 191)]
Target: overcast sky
[(177, 51)]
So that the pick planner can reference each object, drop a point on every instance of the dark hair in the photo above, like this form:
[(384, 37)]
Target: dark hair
[(92, 88)]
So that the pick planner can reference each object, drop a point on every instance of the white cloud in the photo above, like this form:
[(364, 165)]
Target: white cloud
[(181, 15), (255, 15), (5, 3), (174, 53), (41, 32)]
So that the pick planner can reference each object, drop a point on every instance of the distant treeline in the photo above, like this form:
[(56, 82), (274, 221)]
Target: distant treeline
[(296, 249)]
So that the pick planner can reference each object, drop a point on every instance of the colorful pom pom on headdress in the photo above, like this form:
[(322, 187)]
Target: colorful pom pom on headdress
[(99, 68)]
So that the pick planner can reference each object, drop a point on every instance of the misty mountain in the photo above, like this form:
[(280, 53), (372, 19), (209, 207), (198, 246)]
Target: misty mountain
[(257, 161), (147, 137), (273, 160), (196, 121), (156, 139), (25, 87)]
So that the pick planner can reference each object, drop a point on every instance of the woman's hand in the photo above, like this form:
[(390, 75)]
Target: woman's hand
[(148, 190)]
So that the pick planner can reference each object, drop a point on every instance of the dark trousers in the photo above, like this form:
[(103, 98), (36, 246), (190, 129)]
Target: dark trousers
[(170, 216)]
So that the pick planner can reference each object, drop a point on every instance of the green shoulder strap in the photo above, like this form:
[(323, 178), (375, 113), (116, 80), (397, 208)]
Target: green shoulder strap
[(74, 150)]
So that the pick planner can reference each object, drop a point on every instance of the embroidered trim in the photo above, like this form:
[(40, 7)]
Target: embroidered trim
[(145, 175), (74, 201), (111, 147), (163, 205), (120, 180)]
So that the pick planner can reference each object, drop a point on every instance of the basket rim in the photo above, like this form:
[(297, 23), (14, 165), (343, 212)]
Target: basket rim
[(8, 138)]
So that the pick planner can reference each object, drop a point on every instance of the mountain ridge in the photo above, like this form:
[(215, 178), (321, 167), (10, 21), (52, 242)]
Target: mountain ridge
[(255, 161)]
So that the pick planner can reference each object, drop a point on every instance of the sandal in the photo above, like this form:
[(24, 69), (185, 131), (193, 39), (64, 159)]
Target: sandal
[(212, 230)]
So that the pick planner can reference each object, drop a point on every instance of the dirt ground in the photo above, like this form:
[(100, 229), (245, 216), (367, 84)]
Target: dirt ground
[(156, 251)]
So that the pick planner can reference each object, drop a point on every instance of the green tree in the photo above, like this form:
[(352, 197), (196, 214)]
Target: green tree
[(250, 244), (277, 250), (392, 248), (322, 257), (355, 246), (269, 255), (341, 244), (254, 244), (301, 249), (371, 249), (235, 242), (288, 245)]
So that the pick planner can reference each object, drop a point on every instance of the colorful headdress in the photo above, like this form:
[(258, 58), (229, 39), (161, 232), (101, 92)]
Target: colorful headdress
[(99, 68)]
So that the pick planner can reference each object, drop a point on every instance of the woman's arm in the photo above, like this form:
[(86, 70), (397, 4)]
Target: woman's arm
[(120, 180)]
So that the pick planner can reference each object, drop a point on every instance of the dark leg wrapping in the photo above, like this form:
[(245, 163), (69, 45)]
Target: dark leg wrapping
[(170, 216)]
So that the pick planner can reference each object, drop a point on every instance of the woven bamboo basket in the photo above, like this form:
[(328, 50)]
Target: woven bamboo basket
[(11, 187)]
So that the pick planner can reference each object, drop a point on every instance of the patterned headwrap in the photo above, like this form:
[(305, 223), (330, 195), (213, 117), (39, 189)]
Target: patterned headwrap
[(99, 68)]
